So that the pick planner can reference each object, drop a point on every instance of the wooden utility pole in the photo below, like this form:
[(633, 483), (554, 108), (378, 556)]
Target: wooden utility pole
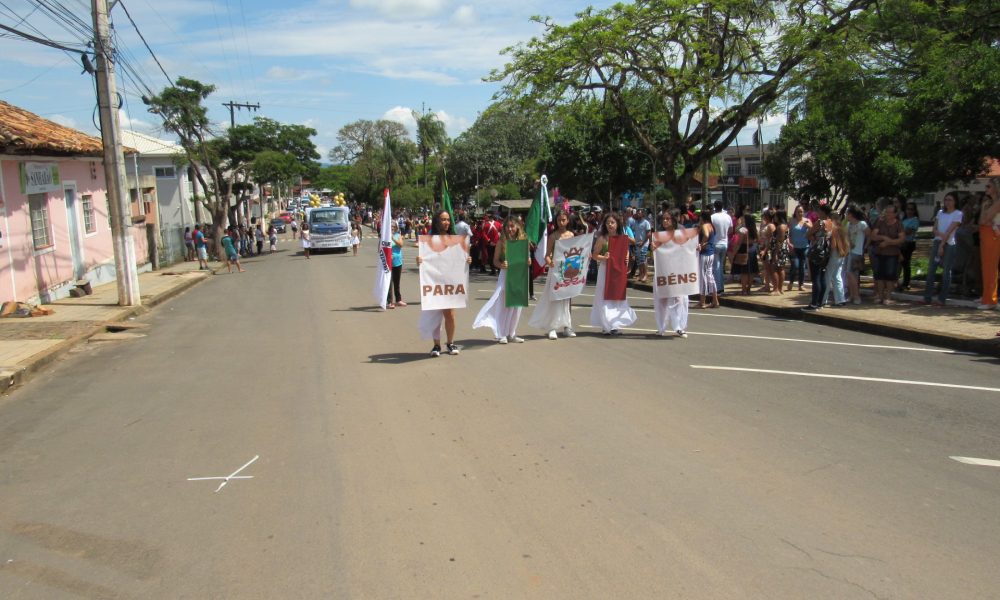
[(114, 161), (232, 114)]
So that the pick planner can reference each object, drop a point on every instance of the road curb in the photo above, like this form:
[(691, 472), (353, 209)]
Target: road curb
[(824, 317), (21, 374)]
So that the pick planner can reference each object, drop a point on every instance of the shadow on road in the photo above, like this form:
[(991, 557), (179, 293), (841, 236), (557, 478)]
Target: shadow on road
[(398, 358), (375, 308)]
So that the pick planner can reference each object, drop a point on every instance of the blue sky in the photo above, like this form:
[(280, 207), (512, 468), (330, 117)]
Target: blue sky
[(323, 63)]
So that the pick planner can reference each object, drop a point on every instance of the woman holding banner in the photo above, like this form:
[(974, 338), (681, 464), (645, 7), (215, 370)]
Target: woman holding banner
[(430, 320), (495, 314), (551, 314), (672, 310), (611, 253)]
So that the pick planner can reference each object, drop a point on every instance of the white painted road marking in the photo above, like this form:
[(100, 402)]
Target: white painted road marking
[(851, 377), (233, 476), (983, 462)]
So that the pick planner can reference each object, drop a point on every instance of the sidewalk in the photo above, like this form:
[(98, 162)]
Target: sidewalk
[(958, 327), (28, 344)]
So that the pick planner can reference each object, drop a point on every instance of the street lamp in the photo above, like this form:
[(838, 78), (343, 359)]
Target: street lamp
[(652, 190)]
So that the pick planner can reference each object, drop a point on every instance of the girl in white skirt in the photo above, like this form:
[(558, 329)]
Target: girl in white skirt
[(495, 314), (305, 238), (550, 314), (672, 311), (431, 320), (608, 315), (355, 237)]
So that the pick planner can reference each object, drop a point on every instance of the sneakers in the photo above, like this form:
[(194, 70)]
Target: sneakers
[(501, 340), (516, 339), (682, 333), (436, 350), (452, 349), (568, 332), (810, 308), (986, 307), (533, 297), (552, 334)]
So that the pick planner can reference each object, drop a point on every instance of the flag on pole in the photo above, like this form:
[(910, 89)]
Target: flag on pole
[(446, 197), (537, 225), (384, 269)]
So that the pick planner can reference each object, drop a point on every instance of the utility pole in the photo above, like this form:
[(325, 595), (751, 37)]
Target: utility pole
[(114, 161), (232, 115)]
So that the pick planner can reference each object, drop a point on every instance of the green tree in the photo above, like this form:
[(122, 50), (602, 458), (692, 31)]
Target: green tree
[(712, 66), (431, 137)]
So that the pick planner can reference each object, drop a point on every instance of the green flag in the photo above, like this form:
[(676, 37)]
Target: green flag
[(446, 198), (516, 284), (539, 214)]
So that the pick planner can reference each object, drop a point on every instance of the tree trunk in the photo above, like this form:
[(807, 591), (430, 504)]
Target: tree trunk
[(219, 218), (425, 170)]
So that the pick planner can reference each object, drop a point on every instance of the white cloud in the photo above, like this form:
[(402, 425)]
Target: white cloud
[(454, 125), (401, 9), (402, 115), (282, 73), (464, 15), (64, 121)]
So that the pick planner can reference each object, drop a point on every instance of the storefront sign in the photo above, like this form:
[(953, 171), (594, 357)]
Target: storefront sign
[(39, 177)]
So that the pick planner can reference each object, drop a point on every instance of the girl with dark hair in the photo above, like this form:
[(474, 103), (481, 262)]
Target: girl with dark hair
[(706, 260), (857, 233), (911, 223), (672, 311), (743, 253), (608, 315), (550, 314), (778, 253), (495, 314), (767, 233), (430, 320), (822, 228), (798, 243)]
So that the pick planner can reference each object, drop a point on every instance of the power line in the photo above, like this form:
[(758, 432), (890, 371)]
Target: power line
[(162, 70), (253, 74), (32, 80), (236, 49), (186, 47), (38, 40), (218, 30)]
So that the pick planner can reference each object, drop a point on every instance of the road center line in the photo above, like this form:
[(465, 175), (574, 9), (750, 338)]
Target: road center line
[(982, 462), (851, 377)]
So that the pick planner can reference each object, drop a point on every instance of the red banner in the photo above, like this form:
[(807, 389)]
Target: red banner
[(617, 277)]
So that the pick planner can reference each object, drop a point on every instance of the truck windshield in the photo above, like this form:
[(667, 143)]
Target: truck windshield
[(326, 217)]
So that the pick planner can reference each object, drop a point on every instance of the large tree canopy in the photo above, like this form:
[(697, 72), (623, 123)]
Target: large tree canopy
[(714, 65)]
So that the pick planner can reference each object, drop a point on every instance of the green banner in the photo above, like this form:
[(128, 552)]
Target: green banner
[(518, 270)]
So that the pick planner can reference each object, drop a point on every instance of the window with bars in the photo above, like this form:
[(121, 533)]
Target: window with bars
[(41, 231), (753, 169), (733, 168), (165, 172), (89, 217)]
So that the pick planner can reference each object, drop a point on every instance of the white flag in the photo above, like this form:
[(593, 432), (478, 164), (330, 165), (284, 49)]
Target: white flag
[(384, 269)]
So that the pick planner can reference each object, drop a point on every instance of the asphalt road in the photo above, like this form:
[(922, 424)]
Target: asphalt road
[(595, 467)]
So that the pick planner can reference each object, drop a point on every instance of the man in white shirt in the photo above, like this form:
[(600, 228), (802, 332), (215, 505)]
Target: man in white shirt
[(722, 224), (462, 228)]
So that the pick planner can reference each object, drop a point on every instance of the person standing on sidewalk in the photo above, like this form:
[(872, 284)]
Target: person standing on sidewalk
[(840, 250), (721, 223), (260, 239), (887, 237), (946, 223), (641, 230), (857, 232), (910, 225), (989, 243), (201, 247), (823, 228), (799, 245), (188, 245), (706, 260)]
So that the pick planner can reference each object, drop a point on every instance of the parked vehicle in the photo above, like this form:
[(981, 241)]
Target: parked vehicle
[(286, 217), (279, 225)]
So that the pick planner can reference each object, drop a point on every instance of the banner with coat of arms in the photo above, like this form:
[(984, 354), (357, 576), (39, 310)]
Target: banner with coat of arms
[(570, 258)]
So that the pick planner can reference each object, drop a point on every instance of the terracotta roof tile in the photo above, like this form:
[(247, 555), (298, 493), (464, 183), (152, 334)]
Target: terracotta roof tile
[(25, 133)]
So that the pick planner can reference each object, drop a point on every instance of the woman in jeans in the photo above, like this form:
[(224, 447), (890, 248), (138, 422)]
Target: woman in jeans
[(799, 245), (857, 234), (840, 250), (822, 228), (910, 224), (946, 223)]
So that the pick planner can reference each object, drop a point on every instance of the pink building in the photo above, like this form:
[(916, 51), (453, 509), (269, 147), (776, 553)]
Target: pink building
[(53, 209)]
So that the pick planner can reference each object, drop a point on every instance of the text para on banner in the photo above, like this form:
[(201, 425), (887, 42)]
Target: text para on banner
[(676, 263), (39, 177), (570, 260), (444, 271)]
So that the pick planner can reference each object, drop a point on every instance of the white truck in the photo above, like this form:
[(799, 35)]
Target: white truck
[(329, 227)]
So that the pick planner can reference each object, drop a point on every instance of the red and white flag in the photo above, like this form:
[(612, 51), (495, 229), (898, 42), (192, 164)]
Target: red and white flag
[(384, 269)]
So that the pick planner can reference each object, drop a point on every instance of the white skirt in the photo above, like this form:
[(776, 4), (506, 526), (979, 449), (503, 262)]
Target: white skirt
[(609, 314), (355, 241), (305, 243), (496, 315), (672, 312), (430, 324), (551, 314)]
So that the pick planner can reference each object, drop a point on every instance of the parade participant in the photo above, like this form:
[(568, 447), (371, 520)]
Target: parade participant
[(356, 238), (608, 315), (673, 311), (495, 314), (706, 258), (305, 238), (551, 314), (231, 255), (490, 239), (397, 268), (430, 320)]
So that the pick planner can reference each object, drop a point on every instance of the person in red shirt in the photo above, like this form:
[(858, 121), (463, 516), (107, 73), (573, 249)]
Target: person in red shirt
[(490, 239)]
